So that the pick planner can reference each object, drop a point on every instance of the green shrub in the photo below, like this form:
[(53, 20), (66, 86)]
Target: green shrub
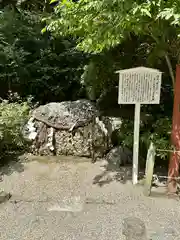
[(157, 131), (12, 118)]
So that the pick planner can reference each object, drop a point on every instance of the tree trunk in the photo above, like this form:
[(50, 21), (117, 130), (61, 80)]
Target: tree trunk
[(175, 137), (149, 169), (173, 173)]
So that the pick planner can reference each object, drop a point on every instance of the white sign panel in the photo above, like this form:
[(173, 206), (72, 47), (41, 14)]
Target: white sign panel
[(139, 85)]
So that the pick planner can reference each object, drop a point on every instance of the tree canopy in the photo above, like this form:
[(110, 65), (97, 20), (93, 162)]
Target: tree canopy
[(101, 25)]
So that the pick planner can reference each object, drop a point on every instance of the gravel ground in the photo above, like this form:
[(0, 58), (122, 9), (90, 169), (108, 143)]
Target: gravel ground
[(54, 200)]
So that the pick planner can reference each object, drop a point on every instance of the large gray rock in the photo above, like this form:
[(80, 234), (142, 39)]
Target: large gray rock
[(68, 128), (66, 115), (83, 141)]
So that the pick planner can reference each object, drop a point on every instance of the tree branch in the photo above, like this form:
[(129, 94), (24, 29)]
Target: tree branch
[(170, 69)]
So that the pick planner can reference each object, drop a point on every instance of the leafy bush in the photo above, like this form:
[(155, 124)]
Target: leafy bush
[(12, 118), (157, 131)]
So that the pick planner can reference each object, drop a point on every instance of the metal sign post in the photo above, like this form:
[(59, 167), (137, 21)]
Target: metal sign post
[(138, 86)]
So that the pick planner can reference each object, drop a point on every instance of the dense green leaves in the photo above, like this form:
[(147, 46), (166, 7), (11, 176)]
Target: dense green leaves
[(34, 65), (12, 117), (37, 64), (30, 5), (103, 24)]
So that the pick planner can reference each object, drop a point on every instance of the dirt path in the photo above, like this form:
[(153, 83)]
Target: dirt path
[(61, 201)]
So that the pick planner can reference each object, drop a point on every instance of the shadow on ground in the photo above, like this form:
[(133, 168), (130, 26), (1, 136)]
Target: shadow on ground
[(111, 173), (10, 162), (123, 174)]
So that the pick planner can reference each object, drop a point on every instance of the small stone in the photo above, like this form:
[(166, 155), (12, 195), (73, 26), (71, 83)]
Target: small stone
[(118, 156), (134, 229), (4, 196)]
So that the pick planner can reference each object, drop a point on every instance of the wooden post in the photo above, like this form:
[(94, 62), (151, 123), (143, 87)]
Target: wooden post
[(173, 171), (136, 142), (149, 169)]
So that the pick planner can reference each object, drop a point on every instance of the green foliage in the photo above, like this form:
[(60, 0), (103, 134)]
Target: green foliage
[(103, 24), (12, 117), (99, 75), (15, 28), (38, 5), (157, 131), (37, 64)]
